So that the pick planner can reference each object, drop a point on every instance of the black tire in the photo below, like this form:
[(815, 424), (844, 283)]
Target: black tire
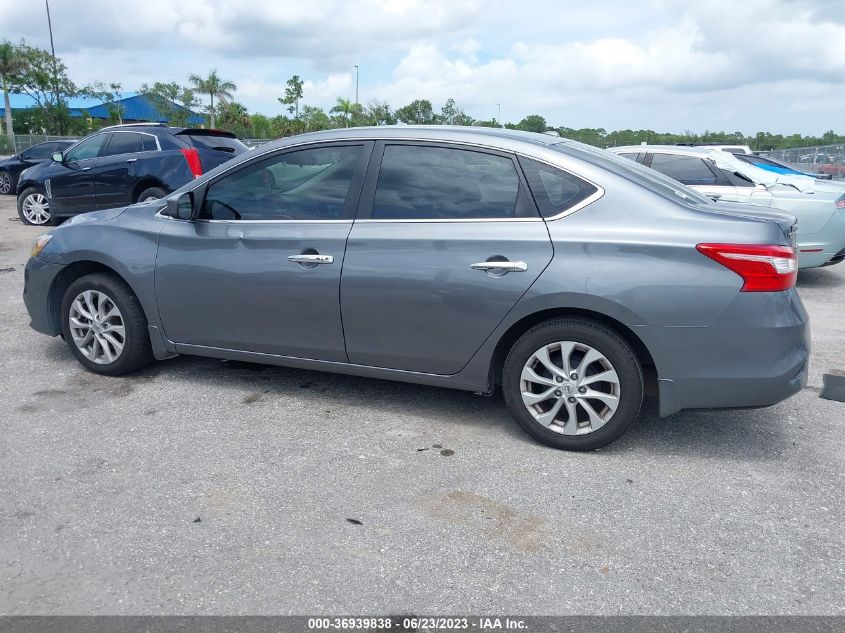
[(151, 192), (7, 183), (137, 352), (26, 193), (605, 341)]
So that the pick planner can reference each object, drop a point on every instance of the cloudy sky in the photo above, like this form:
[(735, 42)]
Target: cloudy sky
[(669, 65)]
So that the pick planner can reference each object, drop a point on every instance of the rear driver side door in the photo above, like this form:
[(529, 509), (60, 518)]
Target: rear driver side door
[(446, 242)]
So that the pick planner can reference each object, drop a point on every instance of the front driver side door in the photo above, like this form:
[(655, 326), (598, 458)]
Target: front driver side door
[(259, 270), (71, 188)]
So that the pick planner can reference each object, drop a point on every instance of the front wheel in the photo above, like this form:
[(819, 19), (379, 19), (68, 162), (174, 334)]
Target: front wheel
[(33, 207), (573, 384), (104, 325)]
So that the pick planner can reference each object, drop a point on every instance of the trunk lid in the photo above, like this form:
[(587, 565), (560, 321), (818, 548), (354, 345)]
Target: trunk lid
[(786, 221)]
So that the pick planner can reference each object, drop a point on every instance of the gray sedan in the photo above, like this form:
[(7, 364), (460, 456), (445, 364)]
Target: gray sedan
[(459, 257)]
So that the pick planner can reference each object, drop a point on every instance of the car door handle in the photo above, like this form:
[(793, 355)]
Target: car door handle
[(501, 267), (131, 160), (85, 168), (311, 259)]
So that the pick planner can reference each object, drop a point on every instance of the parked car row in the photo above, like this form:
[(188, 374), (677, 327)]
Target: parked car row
[(818, 205), (115, 166), (472, 258)]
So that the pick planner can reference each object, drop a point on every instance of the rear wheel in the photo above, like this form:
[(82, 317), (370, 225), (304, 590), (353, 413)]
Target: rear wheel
[(573, 384), (104, 325), (34, 208), (5, 183), (153, 193)]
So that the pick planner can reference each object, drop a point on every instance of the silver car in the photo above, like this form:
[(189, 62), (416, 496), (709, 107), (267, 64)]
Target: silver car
[(818, 205), (467, 258)]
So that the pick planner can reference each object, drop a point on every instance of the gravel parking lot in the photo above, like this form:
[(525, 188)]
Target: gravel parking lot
[(200, 486)]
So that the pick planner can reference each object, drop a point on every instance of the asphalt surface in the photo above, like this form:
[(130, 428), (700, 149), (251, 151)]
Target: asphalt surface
[(206, 487)]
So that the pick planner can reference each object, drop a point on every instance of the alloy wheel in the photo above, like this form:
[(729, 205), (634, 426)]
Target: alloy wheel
[(5, 183), (36, 208), (96, 326), (570, 388)]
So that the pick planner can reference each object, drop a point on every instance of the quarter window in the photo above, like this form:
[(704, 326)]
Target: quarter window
[(437, 183), (89, 148), (309, 184), (686, 169), (554, 190)]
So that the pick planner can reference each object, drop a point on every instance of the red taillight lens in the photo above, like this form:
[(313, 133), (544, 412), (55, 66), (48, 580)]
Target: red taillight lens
[(193, 157), (762, 268), (840, 202)]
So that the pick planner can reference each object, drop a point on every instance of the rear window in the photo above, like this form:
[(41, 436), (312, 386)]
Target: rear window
[(219, 143)]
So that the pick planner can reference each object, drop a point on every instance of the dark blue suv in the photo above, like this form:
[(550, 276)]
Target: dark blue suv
[(120, 165)]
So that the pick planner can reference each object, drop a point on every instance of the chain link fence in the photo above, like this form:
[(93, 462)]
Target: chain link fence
[(821, 159)]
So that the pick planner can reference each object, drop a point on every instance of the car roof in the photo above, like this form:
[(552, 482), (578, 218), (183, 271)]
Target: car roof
[(684, 150), (490, 137)]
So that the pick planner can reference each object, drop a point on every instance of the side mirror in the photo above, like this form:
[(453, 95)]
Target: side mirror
[(58, 157), (181, 207)]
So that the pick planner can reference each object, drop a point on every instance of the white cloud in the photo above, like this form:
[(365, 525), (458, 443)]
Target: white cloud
[(663, 64)]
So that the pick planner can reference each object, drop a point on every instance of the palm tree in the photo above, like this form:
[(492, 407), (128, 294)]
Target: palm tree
[(213, 86), (10, 63), (344, 107)]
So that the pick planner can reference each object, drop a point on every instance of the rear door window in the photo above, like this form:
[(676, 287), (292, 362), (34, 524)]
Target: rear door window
[(123, 143), (418, 182), (686, 169)]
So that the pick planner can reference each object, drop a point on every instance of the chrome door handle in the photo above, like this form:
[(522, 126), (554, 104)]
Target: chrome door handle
[(85, 168), (131, 160), (501, 267), (311, 259)]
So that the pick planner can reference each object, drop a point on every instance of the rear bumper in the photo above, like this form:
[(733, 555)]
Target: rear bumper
[(38, 283), (755, 355)]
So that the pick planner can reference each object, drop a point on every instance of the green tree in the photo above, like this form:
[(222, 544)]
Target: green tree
[(213, 86), (315, 119), (234, 117), (11, 63), (533, 123), (293, 93), (343, 108), (418, 112), (46, 82), (379, 113), (172, 101), (260, 126)]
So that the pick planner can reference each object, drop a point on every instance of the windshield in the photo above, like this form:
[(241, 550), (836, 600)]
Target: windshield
[(644, 176)]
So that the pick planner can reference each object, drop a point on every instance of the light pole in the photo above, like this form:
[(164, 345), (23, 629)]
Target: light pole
[(53, 52), (356, 84), (499, 114)]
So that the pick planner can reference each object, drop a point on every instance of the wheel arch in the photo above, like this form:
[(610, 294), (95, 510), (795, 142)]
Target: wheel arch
[(145, 183), (517, 329), (65, 278)]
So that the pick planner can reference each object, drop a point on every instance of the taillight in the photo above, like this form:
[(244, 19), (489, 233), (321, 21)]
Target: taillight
[(762, 268), (193, 157), (840, 202)]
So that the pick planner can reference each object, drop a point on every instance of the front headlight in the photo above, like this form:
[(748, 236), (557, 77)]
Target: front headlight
[(38, 245)]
